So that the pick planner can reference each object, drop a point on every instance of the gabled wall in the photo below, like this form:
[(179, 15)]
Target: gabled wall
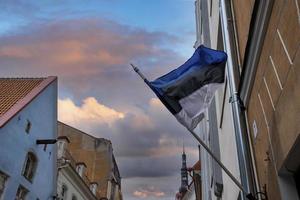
[(15, 143)]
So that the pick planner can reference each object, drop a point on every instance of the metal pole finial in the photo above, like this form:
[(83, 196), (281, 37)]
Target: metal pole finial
[(138, 72)]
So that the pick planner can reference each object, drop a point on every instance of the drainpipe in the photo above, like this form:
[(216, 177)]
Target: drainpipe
[(233, 76)]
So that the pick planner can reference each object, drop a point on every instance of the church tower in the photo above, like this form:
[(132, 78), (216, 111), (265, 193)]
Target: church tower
[(184, 172)]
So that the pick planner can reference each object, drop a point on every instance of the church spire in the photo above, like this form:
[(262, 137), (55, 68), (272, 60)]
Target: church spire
[(184, 172)]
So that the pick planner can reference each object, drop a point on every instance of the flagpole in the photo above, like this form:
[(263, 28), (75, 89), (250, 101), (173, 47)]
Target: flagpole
[(249, 195)]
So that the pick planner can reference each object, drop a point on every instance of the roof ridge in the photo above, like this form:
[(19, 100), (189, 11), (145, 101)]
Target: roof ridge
[(85, 133)]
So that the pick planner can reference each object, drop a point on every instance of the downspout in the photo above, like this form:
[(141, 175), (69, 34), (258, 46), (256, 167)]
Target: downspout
[(233, 76)]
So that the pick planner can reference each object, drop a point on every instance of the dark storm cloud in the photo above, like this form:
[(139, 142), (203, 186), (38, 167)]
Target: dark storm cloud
[(149, 166)]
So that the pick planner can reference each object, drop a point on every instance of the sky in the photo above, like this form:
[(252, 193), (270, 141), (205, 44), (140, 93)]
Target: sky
[(88, 45)]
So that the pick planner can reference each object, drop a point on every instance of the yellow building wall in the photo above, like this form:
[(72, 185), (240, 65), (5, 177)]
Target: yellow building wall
[(274, 104)]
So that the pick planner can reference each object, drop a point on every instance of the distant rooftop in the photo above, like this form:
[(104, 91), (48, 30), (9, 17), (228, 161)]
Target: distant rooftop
[(16, 93), (197, 166)]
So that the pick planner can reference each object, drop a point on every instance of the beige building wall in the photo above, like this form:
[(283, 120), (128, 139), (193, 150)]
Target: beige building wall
[(96, 153), (242, 10), (274, 106)]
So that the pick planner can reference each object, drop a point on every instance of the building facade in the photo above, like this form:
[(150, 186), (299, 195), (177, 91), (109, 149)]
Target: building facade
[(217, 128), (95, 162), (28, 113), (270, 93), (262, 40), (72, 182)]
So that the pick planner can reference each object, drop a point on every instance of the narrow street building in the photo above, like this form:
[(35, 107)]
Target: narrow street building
[(72, 182), (28, 129), (217, 128), (257, 112), (93, 160)]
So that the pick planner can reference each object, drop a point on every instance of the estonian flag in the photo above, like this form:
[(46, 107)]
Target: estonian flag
[(188, 90)]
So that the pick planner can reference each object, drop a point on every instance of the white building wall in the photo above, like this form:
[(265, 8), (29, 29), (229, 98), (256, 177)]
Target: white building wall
[(15, 143), (226, 133), (205, 171), (228, 148), (213, 6), (75, 186)]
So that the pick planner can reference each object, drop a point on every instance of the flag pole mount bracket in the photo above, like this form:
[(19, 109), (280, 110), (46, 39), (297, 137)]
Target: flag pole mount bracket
[(236, 98)]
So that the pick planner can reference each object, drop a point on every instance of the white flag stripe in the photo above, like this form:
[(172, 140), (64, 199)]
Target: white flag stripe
[(195, 104)]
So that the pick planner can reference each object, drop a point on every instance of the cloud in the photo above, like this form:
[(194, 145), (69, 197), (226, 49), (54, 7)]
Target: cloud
[(91, 56), (151, 188), (150, 191), (90, 112), (141, 138), (101, 95)]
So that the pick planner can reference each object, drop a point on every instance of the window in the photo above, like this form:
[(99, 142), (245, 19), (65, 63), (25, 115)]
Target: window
[(60, 148), (29, 166), (62, 144), (21, 193), (28, 126), (93, 188), (210, 12), (297, 181), (63, 193), (3, 178), (80, 167), (74, 197)]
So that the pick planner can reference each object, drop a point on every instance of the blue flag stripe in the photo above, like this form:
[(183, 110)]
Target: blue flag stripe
[(204, 67), (202, 57)]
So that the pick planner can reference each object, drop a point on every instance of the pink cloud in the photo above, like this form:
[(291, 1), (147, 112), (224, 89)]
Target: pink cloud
[(87, 53), (149, 192), (82, 43)]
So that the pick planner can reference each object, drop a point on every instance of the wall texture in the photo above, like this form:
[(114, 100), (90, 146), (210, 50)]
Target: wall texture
[(15, 143), (96, 153), (274, 106)]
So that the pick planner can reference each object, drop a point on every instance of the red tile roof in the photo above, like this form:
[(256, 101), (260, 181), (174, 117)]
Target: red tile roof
[(16, 93), (197, 166)]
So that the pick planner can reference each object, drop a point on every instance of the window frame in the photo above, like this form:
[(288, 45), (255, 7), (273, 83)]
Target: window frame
[(23, 191), (93, 188), (29, 168), (64, 192), (74, 197), (5, 177)]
